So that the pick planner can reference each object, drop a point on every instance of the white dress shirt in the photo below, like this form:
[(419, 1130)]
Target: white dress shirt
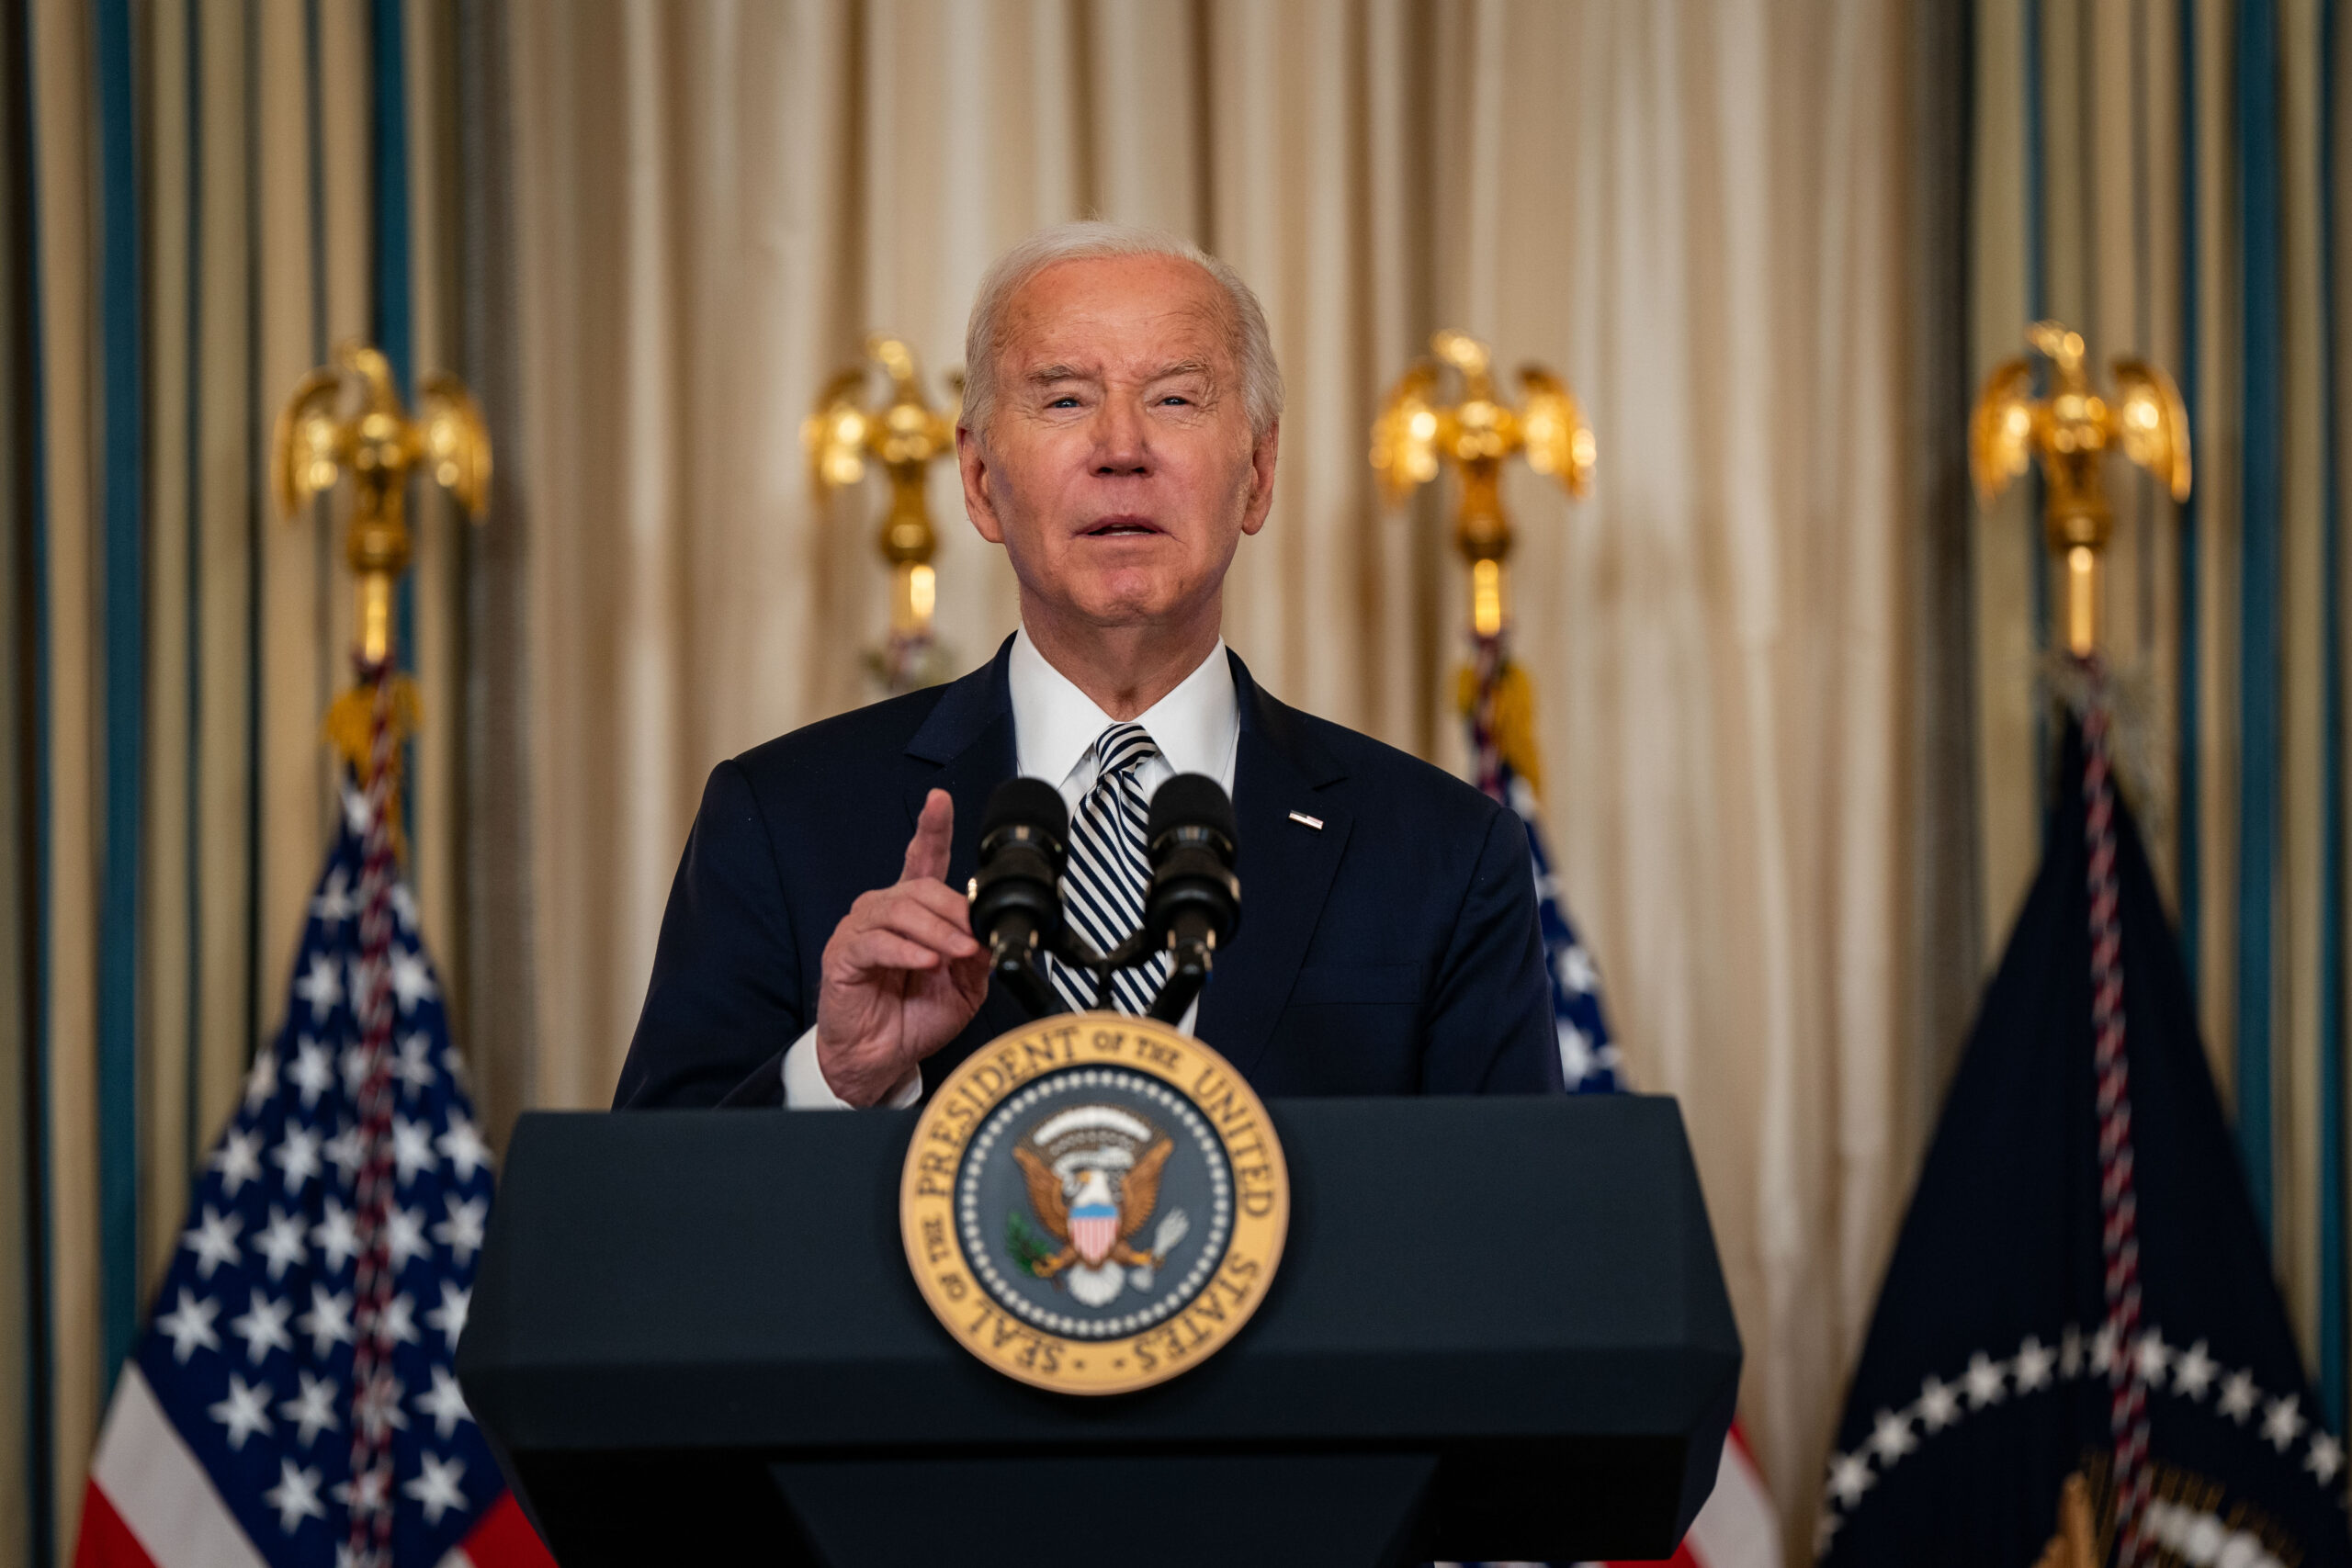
[(1197, 728)]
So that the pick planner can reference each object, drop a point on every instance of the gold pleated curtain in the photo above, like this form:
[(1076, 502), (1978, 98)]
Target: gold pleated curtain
[(1694, 212)]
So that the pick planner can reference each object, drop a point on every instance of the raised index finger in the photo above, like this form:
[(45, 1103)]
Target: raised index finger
[(927, 850)]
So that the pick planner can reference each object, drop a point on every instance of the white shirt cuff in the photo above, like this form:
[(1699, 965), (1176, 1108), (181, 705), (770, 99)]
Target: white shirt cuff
[(805, 1088)]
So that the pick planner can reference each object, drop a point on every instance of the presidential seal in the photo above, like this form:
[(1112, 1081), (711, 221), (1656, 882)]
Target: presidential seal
[(1094, 1204)]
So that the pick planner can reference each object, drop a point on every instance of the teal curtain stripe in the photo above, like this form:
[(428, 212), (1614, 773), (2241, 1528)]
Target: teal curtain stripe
[(2332, 1369), (125, 609), (2037, 306), (2189, 850), (393, 311), (40, 1341), (192, 478), (2263, 478)]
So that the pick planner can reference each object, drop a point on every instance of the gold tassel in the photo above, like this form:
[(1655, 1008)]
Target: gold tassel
[(350, 728), (1514, 721)]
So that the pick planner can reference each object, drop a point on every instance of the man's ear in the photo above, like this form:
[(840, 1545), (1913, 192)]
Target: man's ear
[(1262, 478), (971, 460)]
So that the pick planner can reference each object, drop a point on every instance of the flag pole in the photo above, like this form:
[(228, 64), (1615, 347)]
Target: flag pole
[(2071, 431), (380, 446), (284, 1446), (1414, 437), (906, 435)]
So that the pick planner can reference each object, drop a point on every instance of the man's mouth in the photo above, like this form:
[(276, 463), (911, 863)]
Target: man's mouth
[(1120, 527)]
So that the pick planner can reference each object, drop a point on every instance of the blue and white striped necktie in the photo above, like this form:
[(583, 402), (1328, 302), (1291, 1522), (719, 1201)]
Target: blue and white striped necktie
[(1103, 889)]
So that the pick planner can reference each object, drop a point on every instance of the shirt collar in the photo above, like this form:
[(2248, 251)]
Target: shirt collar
[(1055, 724)]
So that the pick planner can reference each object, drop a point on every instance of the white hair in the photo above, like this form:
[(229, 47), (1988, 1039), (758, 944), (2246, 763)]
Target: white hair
[(1254, 348)]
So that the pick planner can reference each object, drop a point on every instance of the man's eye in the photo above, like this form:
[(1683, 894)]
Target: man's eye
[(1176, 397), (1064, 401)]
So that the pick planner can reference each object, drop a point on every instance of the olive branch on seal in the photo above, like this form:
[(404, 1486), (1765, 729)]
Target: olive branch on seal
[(1029, 1246)]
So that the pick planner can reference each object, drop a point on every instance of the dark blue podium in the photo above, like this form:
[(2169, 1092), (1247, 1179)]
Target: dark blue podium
[(1498, 1331)]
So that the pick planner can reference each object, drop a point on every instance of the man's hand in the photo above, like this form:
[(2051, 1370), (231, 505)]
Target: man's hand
[(901, 975)]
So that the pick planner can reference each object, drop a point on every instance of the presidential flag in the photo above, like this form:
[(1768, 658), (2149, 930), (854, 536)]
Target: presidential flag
[(2080, 1301), (1737, 1528), (304, 1335)]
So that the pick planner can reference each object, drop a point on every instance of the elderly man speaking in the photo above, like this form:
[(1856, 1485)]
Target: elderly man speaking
[(1118, 439)]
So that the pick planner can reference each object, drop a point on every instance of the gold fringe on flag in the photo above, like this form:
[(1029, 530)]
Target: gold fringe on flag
[(1512, 718)]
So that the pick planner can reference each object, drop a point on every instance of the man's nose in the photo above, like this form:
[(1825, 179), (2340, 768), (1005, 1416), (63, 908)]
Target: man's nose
[(1122, 448)]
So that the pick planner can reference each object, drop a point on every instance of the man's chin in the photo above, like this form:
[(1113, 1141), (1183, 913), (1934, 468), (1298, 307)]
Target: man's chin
[(1116, 603), (1108, 596)]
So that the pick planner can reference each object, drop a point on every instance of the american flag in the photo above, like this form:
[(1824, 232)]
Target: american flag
[(1738, 1528), (1588, 1055), (234, 1432)]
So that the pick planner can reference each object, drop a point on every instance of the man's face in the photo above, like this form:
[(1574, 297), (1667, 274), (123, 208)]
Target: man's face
[(1117, 468)]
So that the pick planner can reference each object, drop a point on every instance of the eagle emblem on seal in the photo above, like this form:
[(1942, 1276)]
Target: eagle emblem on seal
[(1092, 1174)]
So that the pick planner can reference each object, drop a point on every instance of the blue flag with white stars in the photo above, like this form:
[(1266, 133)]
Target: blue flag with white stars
[(1588, 1058), (2081, 1269)]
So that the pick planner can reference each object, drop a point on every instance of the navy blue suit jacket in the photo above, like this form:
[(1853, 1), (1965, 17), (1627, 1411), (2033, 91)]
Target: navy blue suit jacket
[(1393, 951)]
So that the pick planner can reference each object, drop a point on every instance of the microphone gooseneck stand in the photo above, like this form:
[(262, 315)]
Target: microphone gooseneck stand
[(1191, 905)]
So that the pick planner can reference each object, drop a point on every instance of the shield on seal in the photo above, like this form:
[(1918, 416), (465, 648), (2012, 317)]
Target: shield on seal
[(1093, 1219)]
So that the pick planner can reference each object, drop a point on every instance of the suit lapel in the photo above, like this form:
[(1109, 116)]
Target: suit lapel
[(1285, 865), (967, 748)]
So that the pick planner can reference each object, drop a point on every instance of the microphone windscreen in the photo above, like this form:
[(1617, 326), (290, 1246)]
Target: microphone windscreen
[(1026, 803), (1191, 800)]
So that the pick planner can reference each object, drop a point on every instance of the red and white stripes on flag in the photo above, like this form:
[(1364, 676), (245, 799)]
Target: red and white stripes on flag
[(150, 1504)]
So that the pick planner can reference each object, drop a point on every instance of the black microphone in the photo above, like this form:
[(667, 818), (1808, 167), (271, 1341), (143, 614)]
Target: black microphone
[(1194, 902), (1016, 897)]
